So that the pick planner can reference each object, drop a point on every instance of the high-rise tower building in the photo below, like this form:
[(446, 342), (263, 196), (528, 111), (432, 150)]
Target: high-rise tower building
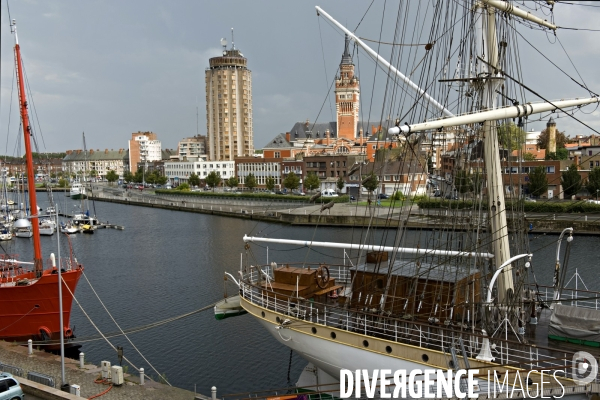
[(347, 96), (229, 106), (143, 147)]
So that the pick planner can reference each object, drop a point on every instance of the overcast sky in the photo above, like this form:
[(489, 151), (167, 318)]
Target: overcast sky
[(111, 68)]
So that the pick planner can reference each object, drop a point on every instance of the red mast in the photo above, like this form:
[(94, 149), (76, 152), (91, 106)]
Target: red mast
[(37, 249)]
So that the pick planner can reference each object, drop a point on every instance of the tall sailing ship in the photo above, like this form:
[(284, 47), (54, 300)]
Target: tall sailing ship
[(464, 295), (29, 290)]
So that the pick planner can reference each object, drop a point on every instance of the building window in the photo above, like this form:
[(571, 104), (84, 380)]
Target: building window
[(277, 154), (550, 169), (590, 152), (591, 164)]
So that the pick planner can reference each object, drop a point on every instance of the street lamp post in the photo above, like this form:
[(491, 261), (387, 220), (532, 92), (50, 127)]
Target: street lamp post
[(597, 190)]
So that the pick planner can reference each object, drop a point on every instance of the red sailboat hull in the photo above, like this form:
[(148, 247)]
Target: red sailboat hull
[(31, 310)]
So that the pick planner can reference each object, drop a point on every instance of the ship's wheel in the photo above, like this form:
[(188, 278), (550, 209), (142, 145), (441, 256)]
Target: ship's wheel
[(322, 276)]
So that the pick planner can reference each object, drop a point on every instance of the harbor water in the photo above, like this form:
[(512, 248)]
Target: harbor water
[(168, 263)]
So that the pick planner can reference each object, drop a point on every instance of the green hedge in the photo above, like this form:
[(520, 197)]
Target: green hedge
[(541, 206), (254, 196)]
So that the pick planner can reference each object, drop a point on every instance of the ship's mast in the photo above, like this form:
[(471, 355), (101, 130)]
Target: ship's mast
[(486, 35), (37, 249)]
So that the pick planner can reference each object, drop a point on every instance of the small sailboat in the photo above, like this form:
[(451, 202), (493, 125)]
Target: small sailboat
[(5, 234), (22, 228), (47, 227), (68, 228)]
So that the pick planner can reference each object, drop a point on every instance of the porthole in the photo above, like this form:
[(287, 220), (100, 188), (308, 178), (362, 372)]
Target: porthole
[(366, 343), (333, 335), (388, 349), (425, 357), (278, 320), (262, 313), (314, 330), (451, 364)]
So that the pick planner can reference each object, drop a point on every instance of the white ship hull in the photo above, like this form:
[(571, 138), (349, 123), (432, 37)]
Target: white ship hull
[(332, 356)]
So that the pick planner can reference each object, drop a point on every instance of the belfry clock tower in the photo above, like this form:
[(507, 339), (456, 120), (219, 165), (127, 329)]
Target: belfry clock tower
[(347, 95)]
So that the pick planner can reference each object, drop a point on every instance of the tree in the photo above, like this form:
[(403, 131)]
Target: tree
[(232, 182), (213, 180), (510, 136), (370, 183), (112, 176), (291, 181), (270, 183), (340, 183), (528, 157), (139, 176), (194, 180), (251, 181), (93, 173), (561, 154), (561, 139), (538, 181), (571, 181), (183, 186), (151, 178), (63, 183), (311, 182), (128, 176), (161, 180), (463, 182)]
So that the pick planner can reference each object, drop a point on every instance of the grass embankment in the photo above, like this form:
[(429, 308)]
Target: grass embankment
[(546, 206), (253, 196)]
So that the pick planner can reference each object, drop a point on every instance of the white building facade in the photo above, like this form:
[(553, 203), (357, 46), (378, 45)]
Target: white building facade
[(179, 171), (80, 164)]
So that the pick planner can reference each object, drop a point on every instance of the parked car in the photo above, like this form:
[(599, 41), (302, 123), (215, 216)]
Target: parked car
[(383, 196), (279, 192), (451, 196), (10, 388), (298, 193), (329, 193), (533, 200)]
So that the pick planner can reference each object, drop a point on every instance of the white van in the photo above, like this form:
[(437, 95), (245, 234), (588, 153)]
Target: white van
[(329, 193)]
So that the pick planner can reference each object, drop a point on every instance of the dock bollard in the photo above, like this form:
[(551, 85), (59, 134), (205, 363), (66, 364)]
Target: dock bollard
[(213, 392), (30, 347), (141, 376), (81, 358)]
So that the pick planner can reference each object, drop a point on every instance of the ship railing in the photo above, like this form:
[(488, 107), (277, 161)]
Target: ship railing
[(341, 273), (440, 337), (571, 296)]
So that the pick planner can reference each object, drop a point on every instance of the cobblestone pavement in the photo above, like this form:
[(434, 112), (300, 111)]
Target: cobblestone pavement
[(49, 364)]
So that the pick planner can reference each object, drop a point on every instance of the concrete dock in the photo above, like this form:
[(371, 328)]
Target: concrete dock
[(49, 364), (343, 214)]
